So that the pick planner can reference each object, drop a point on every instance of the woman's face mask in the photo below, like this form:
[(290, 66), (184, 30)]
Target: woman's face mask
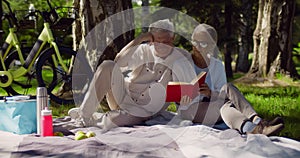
[(204, 44)]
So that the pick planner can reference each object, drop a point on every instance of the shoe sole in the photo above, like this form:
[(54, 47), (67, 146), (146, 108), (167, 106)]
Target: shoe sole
[(276, 132), (277, 120)]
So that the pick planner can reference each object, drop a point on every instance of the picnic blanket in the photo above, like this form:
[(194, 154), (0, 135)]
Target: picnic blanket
[(150, 141)]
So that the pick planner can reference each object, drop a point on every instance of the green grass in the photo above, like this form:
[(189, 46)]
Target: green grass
[(270, 102), (60, 110)]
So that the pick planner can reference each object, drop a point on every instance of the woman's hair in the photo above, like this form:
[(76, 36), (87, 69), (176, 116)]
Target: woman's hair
[(212, 34), (208, 29)]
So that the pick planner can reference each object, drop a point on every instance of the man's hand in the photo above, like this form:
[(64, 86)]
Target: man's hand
[(145, 37), (125, 54), (205, 90)]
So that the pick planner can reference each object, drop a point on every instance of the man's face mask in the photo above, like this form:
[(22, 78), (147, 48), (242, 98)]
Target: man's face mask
[(163, 43)]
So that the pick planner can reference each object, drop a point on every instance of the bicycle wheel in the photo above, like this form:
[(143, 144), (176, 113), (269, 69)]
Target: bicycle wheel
[(55, 79), (25, 85)]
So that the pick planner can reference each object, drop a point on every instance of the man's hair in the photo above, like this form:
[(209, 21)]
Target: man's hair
[(162, 26)]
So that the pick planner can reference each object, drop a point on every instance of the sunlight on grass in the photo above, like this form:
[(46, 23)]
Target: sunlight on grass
[(284, 78)]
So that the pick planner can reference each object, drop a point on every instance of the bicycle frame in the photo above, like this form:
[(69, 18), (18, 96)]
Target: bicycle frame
[(10, 41), (46, 36)]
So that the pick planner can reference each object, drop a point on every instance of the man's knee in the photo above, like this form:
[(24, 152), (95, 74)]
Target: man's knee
[(107, 65), (105, 68)]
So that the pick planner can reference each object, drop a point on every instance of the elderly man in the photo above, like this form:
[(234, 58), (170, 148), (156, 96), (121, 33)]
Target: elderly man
[(152, 61)]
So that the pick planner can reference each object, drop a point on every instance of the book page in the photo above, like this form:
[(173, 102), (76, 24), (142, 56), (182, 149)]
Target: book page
[(199, 77), (179, 83)]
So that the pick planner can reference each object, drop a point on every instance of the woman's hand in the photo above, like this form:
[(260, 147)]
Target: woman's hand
[(205, 90), (184, 102)]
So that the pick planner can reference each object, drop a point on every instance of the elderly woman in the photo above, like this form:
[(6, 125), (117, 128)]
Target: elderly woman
[(219, 100)]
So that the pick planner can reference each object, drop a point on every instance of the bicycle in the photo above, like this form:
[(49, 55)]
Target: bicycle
[(53, 65), (11, 45)]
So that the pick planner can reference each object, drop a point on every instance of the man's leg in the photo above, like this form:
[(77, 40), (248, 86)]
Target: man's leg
[(117, 118), (107, 75)]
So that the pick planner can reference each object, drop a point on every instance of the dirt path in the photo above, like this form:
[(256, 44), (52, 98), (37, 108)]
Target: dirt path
[(262, 82)]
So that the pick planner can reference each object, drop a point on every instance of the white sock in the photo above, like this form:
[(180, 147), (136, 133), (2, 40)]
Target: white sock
[(256, 120), (248, 127)]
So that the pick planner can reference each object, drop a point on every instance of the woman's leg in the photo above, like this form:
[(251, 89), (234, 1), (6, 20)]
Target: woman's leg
[(238, 100), (207, 113), (232, 116)]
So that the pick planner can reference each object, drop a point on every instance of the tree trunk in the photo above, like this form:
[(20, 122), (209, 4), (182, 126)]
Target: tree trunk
[(272, 39), (98, 35), (1, 13), (244, 38), (145, 12), (228, 44)]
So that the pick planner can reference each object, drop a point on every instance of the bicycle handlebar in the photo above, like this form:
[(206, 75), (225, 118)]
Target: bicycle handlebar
[(30, 14), (50, 16)]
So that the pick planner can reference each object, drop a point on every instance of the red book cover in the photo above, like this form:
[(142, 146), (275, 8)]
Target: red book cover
[(175, 90)]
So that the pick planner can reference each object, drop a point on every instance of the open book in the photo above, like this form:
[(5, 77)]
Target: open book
[(175, 90)]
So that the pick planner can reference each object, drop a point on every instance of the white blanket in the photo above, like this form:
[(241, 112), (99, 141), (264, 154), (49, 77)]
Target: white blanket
[(151, 141)]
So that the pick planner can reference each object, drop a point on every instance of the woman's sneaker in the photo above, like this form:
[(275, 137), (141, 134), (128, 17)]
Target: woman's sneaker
[(268, 130)]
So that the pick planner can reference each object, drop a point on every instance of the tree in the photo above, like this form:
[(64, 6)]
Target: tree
[(99, 34), (93, 12), (273, 39), (228, 42)]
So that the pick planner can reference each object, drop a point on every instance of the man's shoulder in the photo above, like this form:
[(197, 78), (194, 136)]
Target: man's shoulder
[(182, 53)]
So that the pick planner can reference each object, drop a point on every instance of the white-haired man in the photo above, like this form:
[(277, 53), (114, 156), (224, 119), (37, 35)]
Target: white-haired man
[(152, 61)]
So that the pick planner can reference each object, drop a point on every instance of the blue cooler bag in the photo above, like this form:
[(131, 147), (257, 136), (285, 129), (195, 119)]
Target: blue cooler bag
[(18, 115)]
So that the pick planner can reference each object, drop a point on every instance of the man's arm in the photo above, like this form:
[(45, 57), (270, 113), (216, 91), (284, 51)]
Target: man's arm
[(125, 54)]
